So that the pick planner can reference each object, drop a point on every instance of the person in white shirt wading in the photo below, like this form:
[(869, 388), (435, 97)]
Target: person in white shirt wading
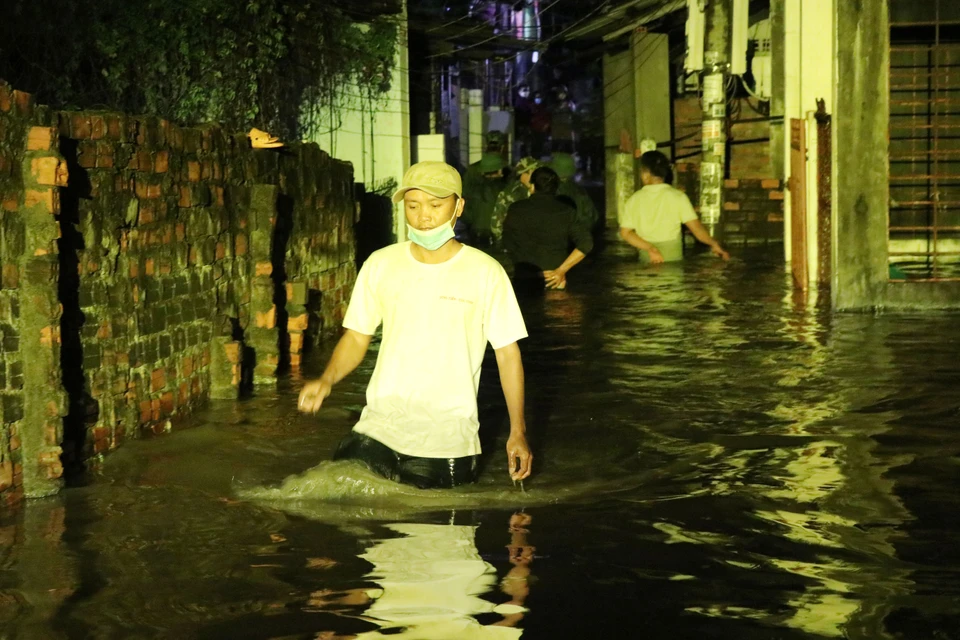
[(440, 302), (653, 217)]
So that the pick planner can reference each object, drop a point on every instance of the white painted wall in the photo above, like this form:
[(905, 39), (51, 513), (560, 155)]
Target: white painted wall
[(431, 147), (375, 139), (619, 104), (618, 98), (471, 126), (809, 61), (651, 76)]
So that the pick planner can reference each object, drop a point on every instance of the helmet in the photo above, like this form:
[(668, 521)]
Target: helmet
[(491, 162), (564, 165)]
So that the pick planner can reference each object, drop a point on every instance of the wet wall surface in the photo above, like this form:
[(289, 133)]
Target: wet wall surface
[(716, 457)]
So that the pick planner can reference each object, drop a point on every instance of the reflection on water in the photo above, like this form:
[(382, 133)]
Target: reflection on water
[(428, 582), (431, 579), (716, 456)]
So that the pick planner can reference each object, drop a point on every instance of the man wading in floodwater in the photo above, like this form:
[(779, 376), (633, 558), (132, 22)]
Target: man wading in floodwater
[(440, 302), (653, 218)]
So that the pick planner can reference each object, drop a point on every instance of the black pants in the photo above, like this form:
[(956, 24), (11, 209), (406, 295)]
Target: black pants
[(425, 473)]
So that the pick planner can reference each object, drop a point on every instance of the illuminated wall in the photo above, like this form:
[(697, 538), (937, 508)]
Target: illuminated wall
[(374, 136)]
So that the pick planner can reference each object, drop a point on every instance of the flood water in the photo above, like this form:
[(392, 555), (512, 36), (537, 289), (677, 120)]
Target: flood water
[(716, 457)]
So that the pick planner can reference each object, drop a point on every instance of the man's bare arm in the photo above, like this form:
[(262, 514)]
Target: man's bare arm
[(635, 240), (558, 276), (700, 233), (510, 365), (347, 356)]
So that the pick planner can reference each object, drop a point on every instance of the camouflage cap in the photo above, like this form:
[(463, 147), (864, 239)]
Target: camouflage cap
[(527, 164)]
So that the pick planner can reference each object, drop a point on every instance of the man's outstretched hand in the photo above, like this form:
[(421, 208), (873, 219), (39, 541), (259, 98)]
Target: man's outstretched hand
[(718, 251), (518, 449), (312, 395)]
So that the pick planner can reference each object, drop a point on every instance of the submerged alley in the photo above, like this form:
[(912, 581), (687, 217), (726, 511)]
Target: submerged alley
[(709, 443), (754, 439)]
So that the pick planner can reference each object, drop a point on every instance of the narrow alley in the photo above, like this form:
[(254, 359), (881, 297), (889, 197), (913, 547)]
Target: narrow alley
[(716, 456)]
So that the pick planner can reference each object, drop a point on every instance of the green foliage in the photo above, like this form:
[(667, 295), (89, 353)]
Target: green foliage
[(238, 62)]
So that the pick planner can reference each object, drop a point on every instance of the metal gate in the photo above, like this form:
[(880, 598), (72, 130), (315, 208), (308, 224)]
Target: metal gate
[(924, 218)]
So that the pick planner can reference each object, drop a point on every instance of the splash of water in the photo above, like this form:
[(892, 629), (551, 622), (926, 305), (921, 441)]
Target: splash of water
[(337, 481), (346, 489)]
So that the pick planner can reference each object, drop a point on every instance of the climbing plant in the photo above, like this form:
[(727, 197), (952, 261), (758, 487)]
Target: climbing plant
[(238, 62)]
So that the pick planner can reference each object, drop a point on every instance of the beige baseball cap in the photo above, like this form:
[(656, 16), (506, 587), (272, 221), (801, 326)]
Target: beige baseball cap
[(436, 178)]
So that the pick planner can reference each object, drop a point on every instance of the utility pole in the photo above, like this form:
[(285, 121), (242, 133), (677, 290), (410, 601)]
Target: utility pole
[(714, 78)]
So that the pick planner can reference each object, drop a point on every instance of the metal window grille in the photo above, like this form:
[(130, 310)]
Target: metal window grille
[(924, 153)]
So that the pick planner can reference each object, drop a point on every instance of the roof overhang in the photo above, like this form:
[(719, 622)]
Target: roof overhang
[(625, 18)]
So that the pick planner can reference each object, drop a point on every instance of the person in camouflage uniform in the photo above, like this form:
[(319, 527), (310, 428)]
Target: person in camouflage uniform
[(517, 190), (566, 168), (482, 185)]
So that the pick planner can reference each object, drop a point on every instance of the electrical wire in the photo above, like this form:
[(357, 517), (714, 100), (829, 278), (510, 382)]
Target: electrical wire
[(452, 22), (539, 45), (550, 40)]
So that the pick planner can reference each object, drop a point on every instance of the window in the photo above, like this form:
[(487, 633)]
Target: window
[(924, 223)]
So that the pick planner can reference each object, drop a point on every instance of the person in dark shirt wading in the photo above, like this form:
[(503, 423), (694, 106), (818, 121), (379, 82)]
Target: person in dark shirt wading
[(538, 232)]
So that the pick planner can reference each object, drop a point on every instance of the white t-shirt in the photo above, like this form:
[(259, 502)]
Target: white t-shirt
[(657, 212), (437, 320)]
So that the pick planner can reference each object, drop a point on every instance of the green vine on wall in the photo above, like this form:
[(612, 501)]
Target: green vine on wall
[(241, 63)]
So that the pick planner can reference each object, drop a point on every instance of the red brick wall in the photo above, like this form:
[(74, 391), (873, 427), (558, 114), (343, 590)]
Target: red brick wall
[(753, 207), (687, 117), (746, 160), (752, 212), (179, 248)]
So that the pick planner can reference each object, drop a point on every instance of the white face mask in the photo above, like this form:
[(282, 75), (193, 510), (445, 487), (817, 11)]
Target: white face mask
[(434, 238)]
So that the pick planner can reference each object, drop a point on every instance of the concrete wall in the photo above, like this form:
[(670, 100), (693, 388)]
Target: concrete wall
[(619, 121), (374, 136), (186, 264), (860, 165), (636, 106), (13, 133), (651, 73)]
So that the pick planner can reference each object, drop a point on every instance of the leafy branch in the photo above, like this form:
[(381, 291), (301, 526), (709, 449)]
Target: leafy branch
[(241, 63)]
